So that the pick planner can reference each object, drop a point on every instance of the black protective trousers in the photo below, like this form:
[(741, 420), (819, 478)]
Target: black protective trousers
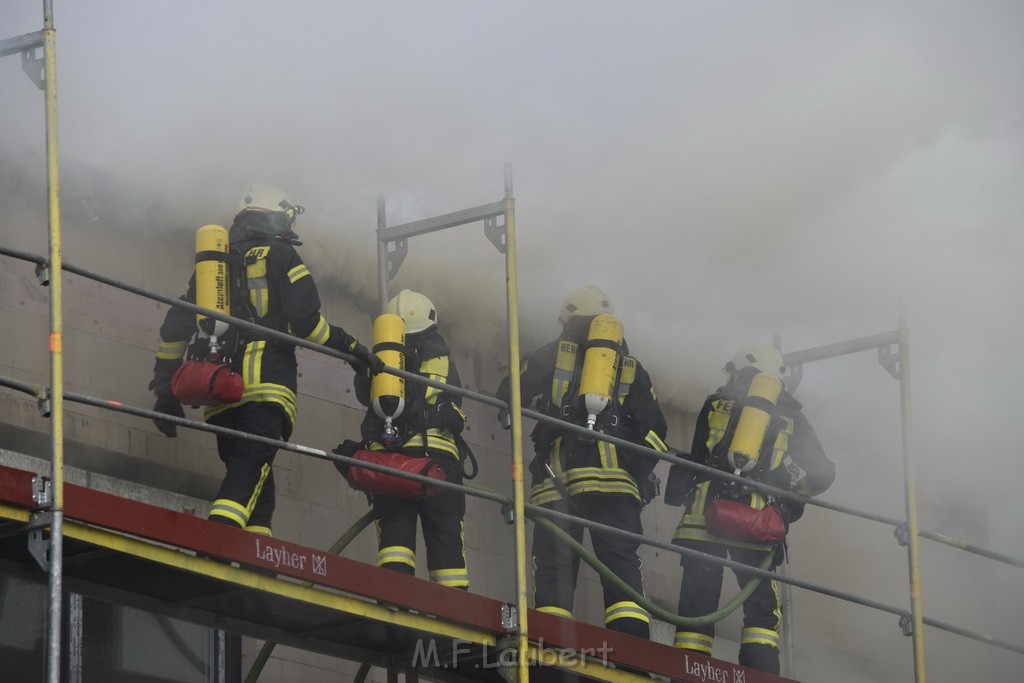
[(556, 565), (700, 593), (246, 498), (441, 516)]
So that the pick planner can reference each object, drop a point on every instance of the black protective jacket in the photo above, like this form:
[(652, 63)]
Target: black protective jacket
[(790, 459), (550, 377), (272, 287), (429, 412)]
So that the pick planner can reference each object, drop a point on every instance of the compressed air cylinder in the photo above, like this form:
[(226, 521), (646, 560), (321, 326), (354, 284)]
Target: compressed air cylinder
[(213, 278), (600, 365), (754, 419), (387, 392)]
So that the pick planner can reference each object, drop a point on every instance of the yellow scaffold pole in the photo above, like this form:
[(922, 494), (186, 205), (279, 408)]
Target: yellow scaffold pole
[(56, 351), (515, 411), (913, 545)]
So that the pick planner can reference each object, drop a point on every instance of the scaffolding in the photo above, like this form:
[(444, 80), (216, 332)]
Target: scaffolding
[(37, 506)]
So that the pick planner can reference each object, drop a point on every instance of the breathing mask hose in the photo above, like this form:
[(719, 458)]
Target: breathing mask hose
[(600, 365), (755, 417), (213, 278), (387, 392)]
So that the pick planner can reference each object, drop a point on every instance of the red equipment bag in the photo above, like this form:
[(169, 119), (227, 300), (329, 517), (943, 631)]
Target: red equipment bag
[(382, 483), (739, 522), (206, 383)]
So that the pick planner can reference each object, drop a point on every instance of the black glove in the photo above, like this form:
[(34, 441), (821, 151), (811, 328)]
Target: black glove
[(448, 416), (348, 449), (367, 359), (168, 405), (504, 419)]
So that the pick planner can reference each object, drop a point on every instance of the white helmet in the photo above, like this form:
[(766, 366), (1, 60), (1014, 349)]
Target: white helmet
[(585, 301), (764, 358), (416, 310), (268, 199)]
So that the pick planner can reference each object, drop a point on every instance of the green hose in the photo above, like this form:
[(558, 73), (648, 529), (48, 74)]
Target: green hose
[(674, 619), (268, 647), (364, 669), (642, 600)]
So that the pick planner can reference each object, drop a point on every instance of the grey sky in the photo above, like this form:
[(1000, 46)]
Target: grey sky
[(724, 170)]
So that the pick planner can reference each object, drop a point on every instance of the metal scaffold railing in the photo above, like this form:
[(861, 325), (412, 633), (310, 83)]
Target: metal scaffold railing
[(528, 511), (893, 349)]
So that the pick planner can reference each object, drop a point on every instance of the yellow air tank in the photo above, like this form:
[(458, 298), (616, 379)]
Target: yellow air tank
[(753, 423), (213, 278), (600, 365), (387, 392)]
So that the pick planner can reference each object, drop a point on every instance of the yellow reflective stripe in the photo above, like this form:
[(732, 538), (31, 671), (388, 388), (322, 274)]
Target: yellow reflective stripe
[(396, 554), (655, 442), (256, 491), (261, 530), (320, 333), (260, 299), (703, 535), (689, 640), (626, 609), (252, 362), (751, 635), (230, 510), (263, 393), (609, 456), (557, 611), (565, 368), (171, 350), (585, 480), (256, 279), (626, 377), (718, 421), (781, 443), (436, 439), (458, 578), (435, 369), (298, 272)]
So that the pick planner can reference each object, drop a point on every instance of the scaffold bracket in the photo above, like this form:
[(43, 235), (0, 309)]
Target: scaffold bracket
[(43, 402), (509, 618), (794, 373), (902, 535), (495, 233), (508, 514), (42, 492), (38, 544), (43, 274), (890, 360), (34, 67), (396, 256)]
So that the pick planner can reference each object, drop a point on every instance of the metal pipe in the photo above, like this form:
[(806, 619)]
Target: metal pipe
[(913, 553), (497, 403), (56, 568), (515, 410), (382, 253)]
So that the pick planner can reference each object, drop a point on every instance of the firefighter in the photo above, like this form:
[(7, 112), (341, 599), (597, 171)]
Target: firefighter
[(272, 287), (429, 425), (790, 457), (588, 477)]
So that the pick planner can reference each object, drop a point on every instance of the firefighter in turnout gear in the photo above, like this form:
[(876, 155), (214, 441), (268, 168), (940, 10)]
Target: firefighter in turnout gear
[(588, 477), (429, 425), (790, 457), (272, 287)]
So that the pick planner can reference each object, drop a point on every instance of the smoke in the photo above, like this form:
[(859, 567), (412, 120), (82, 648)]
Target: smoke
[(725, 171)]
